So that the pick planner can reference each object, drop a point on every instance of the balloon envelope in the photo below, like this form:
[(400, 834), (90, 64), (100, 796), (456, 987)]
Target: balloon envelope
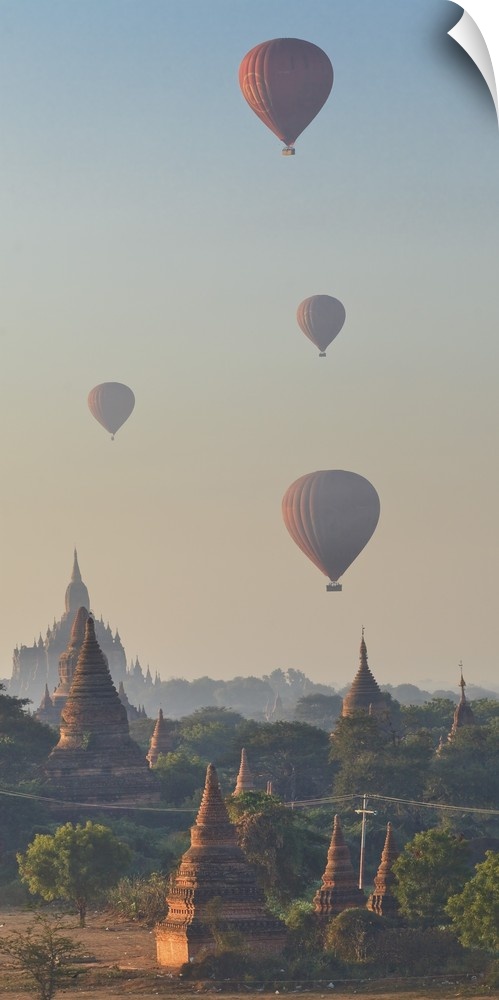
[(331, 516), (111, 403), (286, 81), (321, 318)]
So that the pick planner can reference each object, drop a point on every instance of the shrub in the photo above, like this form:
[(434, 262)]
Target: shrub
[(140, 898)]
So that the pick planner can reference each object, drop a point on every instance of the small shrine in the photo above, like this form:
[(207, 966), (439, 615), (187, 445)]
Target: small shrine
[(161, 740), (382, 901), (339, 890), (215, 892), (244, 782)]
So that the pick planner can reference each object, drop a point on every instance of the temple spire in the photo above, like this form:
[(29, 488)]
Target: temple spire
[(382, 900), (244, 781), (76, 575), (339, 890), (161, 740), (364, 694)]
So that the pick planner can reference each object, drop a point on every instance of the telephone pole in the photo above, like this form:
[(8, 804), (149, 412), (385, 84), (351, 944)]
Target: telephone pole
[(365, 812)]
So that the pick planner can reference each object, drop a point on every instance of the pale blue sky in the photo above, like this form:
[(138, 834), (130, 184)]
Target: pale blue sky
[(153, 234)]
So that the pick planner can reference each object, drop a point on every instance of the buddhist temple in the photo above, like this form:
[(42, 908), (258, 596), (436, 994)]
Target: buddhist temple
[(463, 715), (35, 666), (214, 881), (339, 890), (68, 660), (364, 694), (46, 712), (382, 901), (95, 759), (162, 741), (244, 781)]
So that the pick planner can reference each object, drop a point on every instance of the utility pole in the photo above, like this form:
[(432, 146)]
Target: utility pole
[(365, 812)]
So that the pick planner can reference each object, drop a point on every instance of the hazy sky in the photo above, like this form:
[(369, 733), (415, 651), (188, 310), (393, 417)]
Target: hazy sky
[(151, 233)]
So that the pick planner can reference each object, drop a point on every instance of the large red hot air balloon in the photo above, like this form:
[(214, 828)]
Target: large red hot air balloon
[(286, 81), (111, 403), (331, 516), (321, 318)]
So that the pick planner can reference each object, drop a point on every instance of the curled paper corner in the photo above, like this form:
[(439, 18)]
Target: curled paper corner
[(469, 36)]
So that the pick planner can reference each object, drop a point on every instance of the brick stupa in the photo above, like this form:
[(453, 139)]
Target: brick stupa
[(161, 740), (214, 881), (95, 759), (364, 694), (339, 890), (244, 782), (463, 715), (68, 660), (382, 900)]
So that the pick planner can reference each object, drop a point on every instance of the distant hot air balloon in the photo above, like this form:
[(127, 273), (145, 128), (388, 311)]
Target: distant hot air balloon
[(331, 516), (286, 81), (321, 318), (111, 403)]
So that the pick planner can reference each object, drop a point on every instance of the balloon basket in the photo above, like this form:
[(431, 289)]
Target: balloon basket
[(288, 151), (332, 587), (322, 354)]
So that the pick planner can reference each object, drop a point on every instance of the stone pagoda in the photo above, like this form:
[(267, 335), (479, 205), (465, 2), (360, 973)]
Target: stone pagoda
[(364, 694), (244, 781), (382, 901), (463, 715), (161, 740), (68, 660), (46, 712), (214, 882), (339, 890), (95, 759)]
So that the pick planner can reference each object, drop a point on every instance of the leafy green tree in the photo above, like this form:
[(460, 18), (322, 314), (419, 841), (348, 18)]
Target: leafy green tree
[(433, 866), (320, 710), (181, 775), (209, 733), (353, 935), (368, 756), (473, 753), (435, 716), (288, 855), (475, 911), (293, 755), (24, 742), (76, 863), (44, 954)]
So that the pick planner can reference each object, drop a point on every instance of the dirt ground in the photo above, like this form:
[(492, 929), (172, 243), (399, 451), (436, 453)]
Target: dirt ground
[(119, 960)]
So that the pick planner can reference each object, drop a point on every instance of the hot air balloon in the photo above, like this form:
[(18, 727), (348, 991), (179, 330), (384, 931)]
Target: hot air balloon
[(111, 403), (321, 318), (331, 516), (286, 81)]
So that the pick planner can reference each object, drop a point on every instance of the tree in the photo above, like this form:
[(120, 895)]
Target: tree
[(44, 953), (320, 710), (76, 863), (475, 911), (287, 855), (293, 755), (433, 866), (180, 774), (24, 741), (353, 935)]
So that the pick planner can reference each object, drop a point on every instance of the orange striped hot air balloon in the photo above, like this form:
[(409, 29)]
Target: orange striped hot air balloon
[(331, 516), (111, 403), (286, 81)]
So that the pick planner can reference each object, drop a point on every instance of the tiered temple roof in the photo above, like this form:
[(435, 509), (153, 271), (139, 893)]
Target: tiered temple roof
[(161, 740), (214, 884), (96, 759), (364, 694), (382, 900), (339, 890), (244, 781)]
